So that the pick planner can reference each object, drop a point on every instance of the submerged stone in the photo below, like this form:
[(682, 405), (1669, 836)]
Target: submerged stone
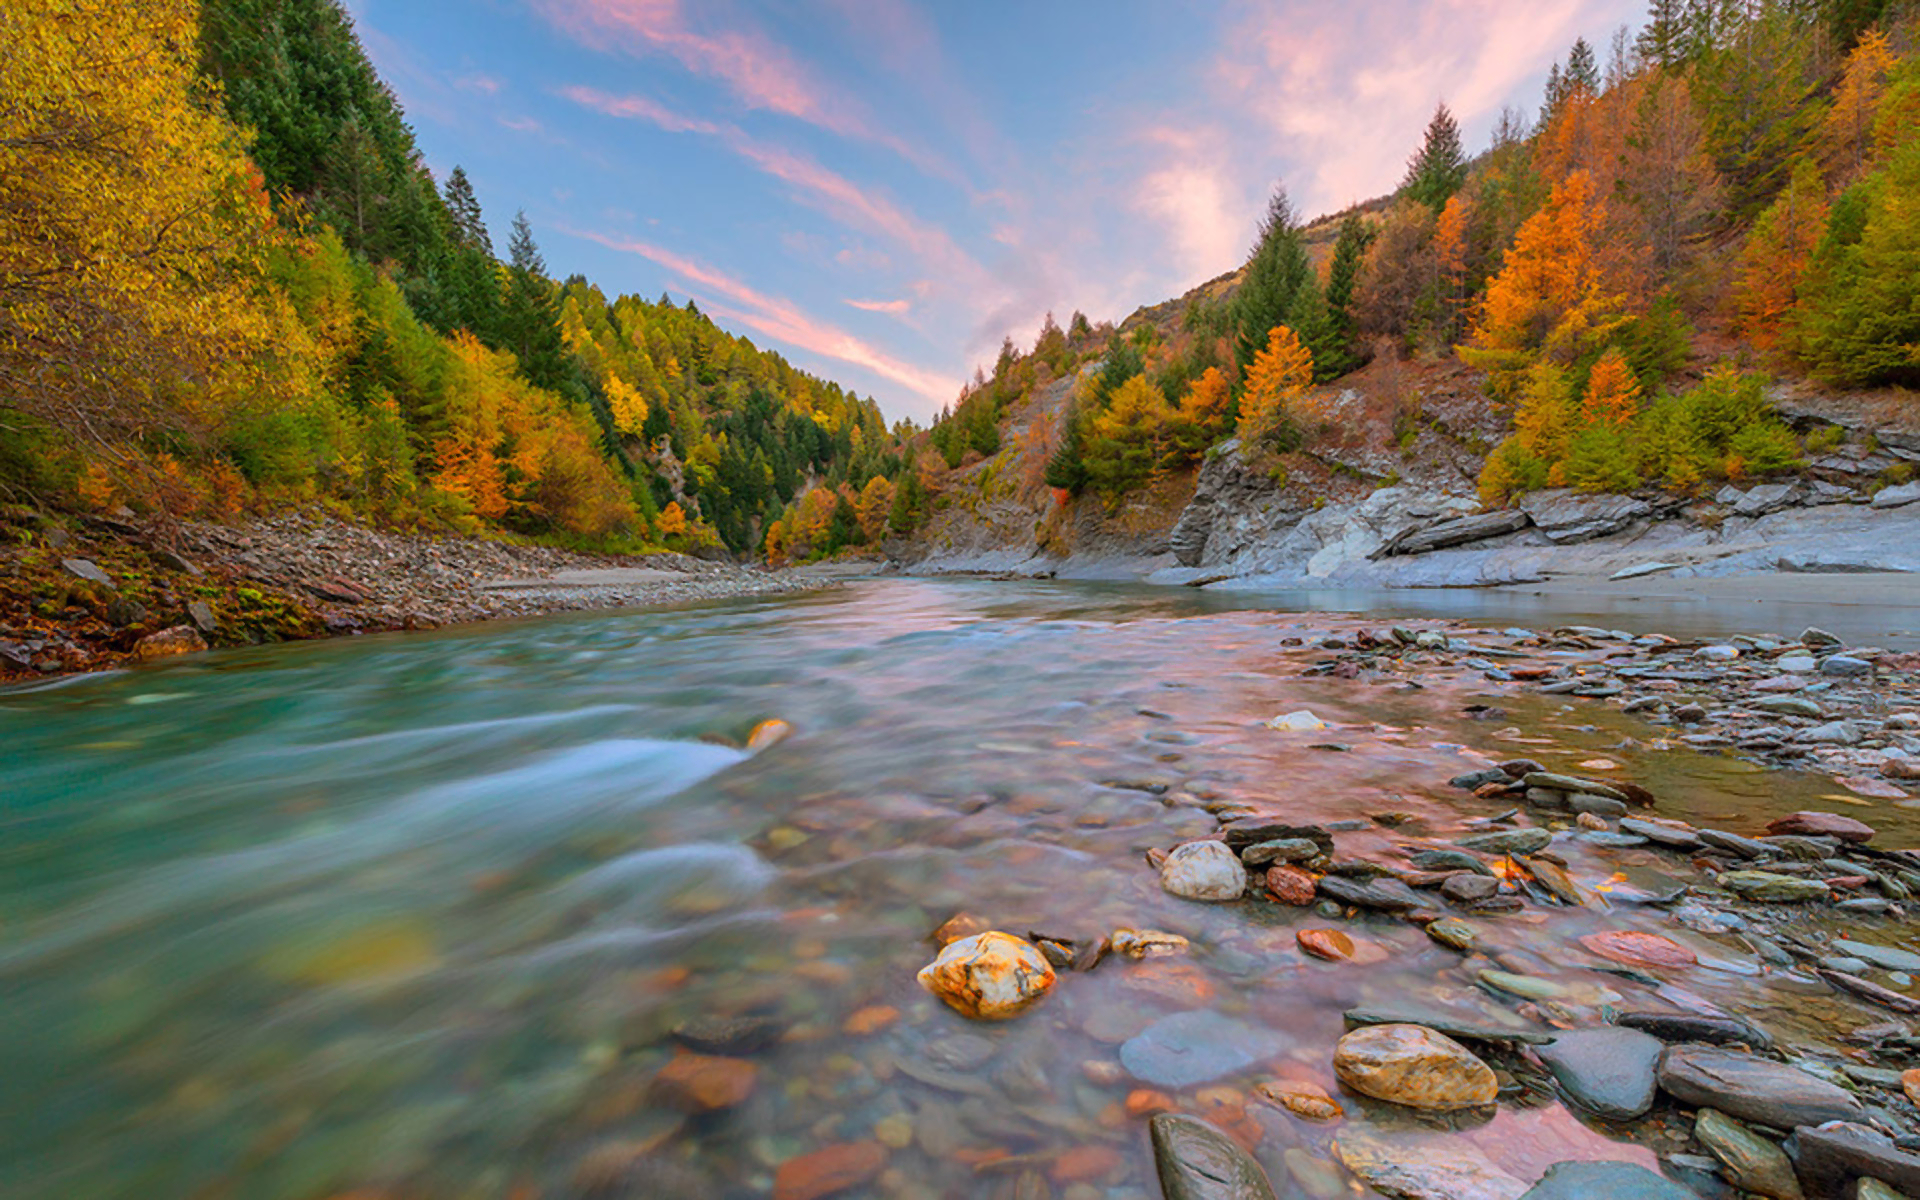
[(1608, 1071), (990, 976), (1414, 1066), (1424, 1168), (1508, 841), (1752, 1162), (1196, 1161), (1608, 1180), (1195, 1047), (1771, 888)]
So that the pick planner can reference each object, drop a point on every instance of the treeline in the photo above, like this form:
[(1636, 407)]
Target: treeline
[(229, 279), (1747, 168)]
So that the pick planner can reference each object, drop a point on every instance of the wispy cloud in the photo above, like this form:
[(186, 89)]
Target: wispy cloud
[(892, 307), (782, 320)]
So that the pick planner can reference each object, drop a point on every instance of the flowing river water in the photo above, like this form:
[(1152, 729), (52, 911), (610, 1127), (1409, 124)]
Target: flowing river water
[(417, 916)]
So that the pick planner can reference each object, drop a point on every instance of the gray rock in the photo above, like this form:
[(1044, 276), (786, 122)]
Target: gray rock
[(1280, 850), (1786, 706), (1797, 664), (1598, 805), (1195, 1047), (1733, 843), (1845, 665), (1723, 1030), (1612, 1180), (1666, 835), (1813, 635), (1896, 497), (87, 569), (1195, 1161), (1384, 895), (1572, 783), (1774, 889), (1766, 498), (1490, 1025), (1639, 569), (1474, 779), (1469, 888), (1827, 1158), (1608, 1070), (1569, 516), (1423, 1167), (1450, 860), (201, 614), (1888, 957), (1508, 841), (1751, 1161), (1459, 531), (1751, 1088)]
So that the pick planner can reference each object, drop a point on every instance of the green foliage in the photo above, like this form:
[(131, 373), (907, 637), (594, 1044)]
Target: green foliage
[(1657, 342), (1436, 172), (1278, 276), (1859, 320)]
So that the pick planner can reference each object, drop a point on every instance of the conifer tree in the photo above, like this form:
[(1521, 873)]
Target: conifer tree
[(1276, 276), (1583, 70), (464, 207), (1662, 43), (1438, 170), (530, 311), (1334, 350)]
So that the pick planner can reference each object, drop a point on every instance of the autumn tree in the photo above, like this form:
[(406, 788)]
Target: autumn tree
[(1202, 416), (1859, 321), (1275, 382), (1667, 175), (875, 507), (1774, 259), (1554, 296), (1128, 440), (1846, 137), (1450, 250), (133, 230), (1436, 172)]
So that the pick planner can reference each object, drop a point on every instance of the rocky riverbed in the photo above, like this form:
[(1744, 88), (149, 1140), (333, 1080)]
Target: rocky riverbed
[(1612, 1026), (91, 594)]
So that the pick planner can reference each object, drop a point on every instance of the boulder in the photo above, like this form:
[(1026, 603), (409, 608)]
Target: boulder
[(1204, 871), (180, 639), (1459, 531), (1751, 1088), (1423, 1168), (1564, 515), (1827, 1158), (87, 569), (1821, 824), (1608, 1071), (1196, 1161), (1414, 1066), (990, 976), (1752, 1162), (1896, 497)]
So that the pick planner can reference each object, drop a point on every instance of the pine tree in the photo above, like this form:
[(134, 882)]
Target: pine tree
[(530, 311), (1583, 70), (1335, 352), (464, 207), (1438, 170), (1276, 275), (1662, 43)]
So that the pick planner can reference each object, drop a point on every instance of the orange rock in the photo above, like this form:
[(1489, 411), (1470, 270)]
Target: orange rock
[(705, 1082), (1226, 1109), (1302, 1099), (1290, 885), (871, 1019), (1639, 949), (181, 639), (828, 1170), (1910, 1084), (1143, 1102), (1325, 943), (990, 976), (1180, 982), (768, 733), (1084, 1164)]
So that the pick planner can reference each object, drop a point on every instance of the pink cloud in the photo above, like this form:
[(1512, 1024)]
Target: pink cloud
[(892, 307), (781, 320)]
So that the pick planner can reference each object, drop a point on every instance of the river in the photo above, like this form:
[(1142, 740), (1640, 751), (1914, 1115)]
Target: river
[(417, 915)]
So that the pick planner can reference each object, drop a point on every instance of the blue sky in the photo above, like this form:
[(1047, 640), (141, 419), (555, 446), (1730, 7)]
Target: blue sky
[(881, 190)]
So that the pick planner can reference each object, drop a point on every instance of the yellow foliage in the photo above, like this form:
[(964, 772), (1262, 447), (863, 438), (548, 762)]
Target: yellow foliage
[(673, 519), (1774, 259), (874, 506), (132, 226), (1847, 136), (1613, 392), (628, 406), (1276, 379)]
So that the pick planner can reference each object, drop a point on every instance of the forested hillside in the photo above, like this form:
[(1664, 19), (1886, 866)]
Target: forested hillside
[(228, 281), (1729, 198)]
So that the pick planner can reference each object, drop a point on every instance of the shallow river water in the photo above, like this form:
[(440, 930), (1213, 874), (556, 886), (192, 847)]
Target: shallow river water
[(417, 916)]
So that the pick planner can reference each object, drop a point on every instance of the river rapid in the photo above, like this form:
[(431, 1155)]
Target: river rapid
[(419, 915)]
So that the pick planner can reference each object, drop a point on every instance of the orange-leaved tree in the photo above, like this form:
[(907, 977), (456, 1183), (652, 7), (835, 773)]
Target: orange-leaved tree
[(1773, 263), (1556, 296), (1847, 135), (1202, 415), (1613, 392), (1276, 379)]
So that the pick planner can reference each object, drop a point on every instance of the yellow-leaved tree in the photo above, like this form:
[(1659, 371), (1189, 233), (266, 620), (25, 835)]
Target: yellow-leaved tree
[(1276, 379), (133, 229)]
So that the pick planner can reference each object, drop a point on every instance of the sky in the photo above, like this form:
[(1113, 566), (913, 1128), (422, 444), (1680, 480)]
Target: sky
[(882, 190)]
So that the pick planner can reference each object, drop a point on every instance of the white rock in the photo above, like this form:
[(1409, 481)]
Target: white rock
[(1204, 871), (1718, 653), (1797, 664), (1301, 721)]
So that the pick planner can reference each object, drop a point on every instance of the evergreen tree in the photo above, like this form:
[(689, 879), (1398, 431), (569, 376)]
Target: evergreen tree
[(1583, 70), (530, 312), (464, 207), (1335, 352), (1663, 42), (1438, 170), (1277, 275)]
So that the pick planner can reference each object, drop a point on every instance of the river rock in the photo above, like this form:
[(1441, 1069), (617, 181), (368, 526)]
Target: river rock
[(1821, 824), (1724, 1030), (1797, 664), (828, 1170), (1424, 1168), (1772, 888), (1196, 1046), (1196, 1161), (1251, 830), (1383, 895), (1733, 843), (1508, 841), (1204, 871), (1307, 1101), (1450, 860), (1330, 944), (1564, 515), (1751, 1088), (705, 1083), (1611, 1180), (1677, 837), (1606, 1070), (1573, 783), (1469, 889), (1286, 850), (1828, 1157), (1752, 1162), (1291, 885), (1885, 957), (990, 976), (1414, 1066), (1453, 933), (714, 1034), (1845, 666), (180, 639)]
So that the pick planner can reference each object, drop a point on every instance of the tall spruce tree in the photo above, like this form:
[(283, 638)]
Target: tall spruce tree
[(530, 311), (1338, 352), (1583, 69), (1663, 42), (1438, 170), (1276, 276)]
